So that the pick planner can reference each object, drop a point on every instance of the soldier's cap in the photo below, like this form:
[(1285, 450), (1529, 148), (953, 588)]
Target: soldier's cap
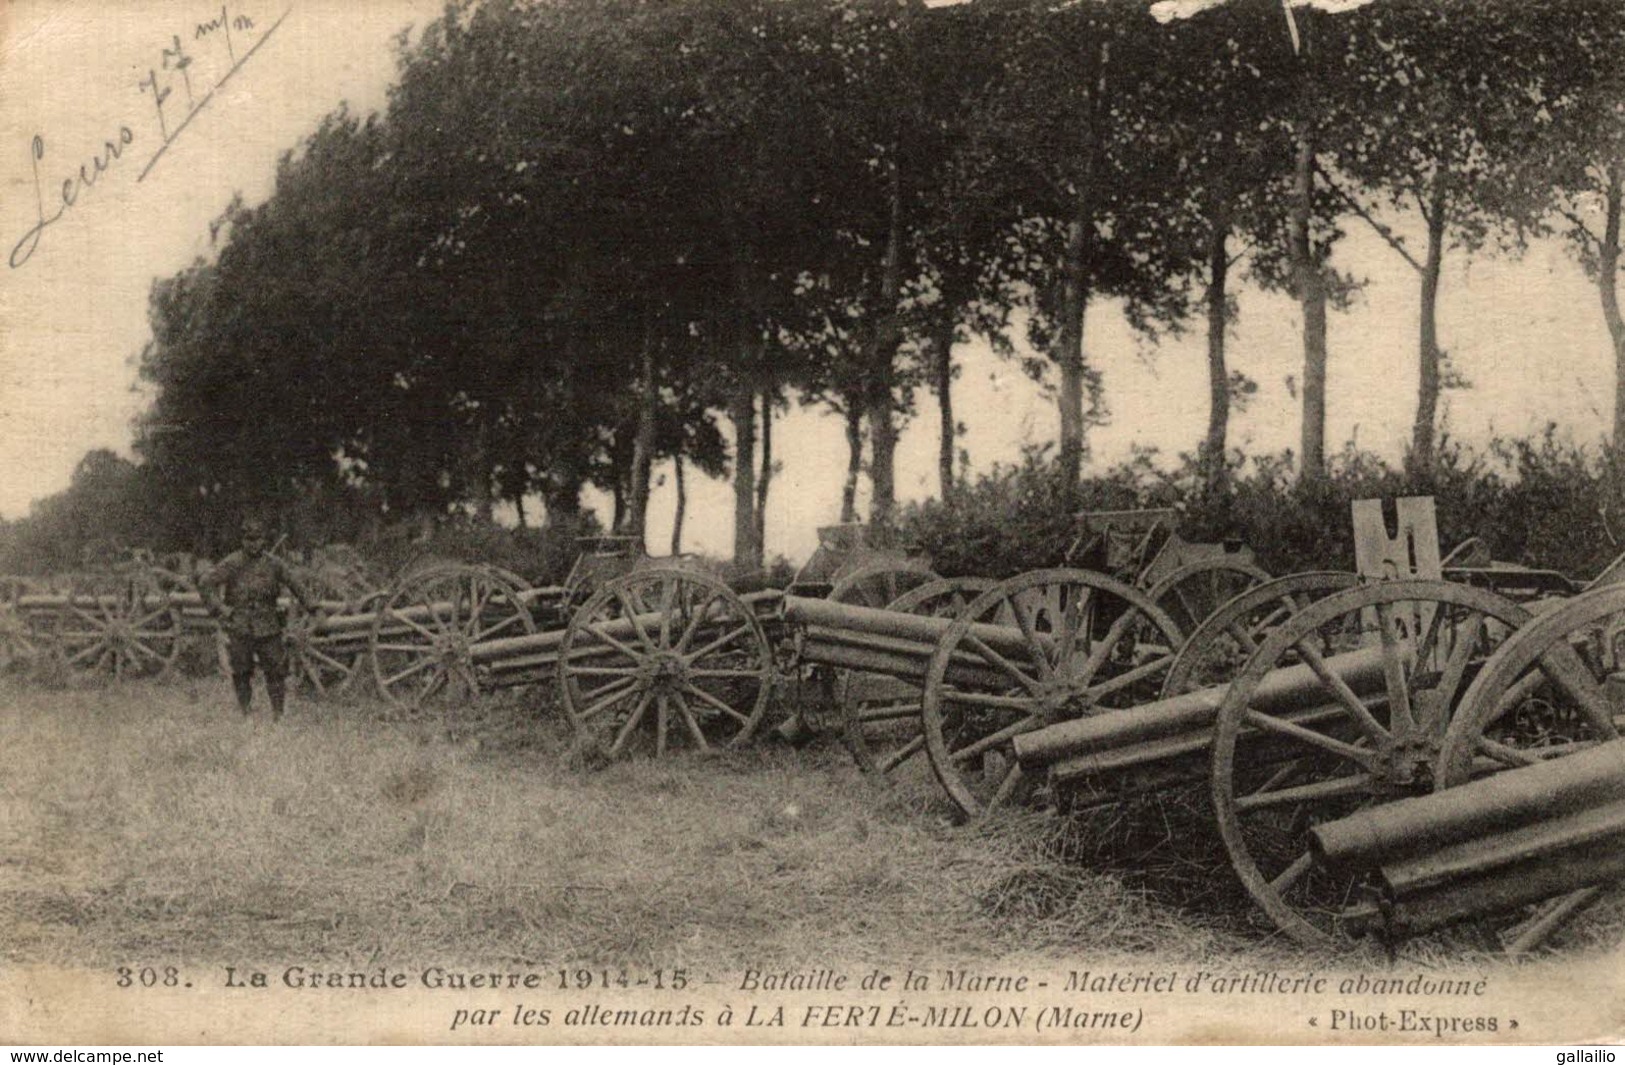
[(253, 527)]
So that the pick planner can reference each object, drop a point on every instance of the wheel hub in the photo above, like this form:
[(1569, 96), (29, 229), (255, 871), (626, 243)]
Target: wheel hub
[(452, 649), (665, 669), (1406, 764)]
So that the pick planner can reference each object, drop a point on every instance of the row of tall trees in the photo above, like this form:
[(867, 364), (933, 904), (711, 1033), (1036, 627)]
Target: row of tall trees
[(587, 237)]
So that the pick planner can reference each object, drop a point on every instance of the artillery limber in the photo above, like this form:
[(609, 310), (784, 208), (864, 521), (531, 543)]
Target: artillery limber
[(1144, 548)]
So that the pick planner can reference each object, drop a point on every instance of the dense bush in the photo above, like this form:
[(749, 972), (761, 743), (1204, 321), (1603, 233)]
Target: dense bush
[(1543, 502)]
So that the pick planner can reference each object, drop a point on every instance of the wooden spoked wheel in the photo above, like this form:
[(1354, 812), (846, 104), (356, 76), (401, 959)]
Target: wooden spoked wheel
[(1544, 696), (881, 715), (325, 655), (121, 627), (664, 660), (423, 635), (1039, 648), (1195, 590), (1379, 669), (1217, 649), (880, 583)]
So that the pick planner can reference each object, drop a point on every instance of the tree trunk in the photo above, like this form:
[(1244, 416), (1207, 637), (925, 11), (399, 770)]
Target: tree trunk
[(479, 471), (882, 364), (1214, 472), (1076, 286), (682, 506), (1068, 351), (1311, 292), (644, 443), (943, 348), (854, 462), (1608, 285), (561, 497), (1430, 359), (882, 463), (519, 509), (742, 412), (766, 477)]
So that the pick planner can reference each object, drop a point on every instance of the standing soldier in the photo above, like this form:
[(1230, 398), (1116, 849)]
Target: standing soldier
[(248, 611)]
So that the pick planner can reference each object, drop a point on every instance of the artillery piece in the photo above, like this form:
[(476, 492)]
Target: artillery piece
[(1379, 692), (884, 714)]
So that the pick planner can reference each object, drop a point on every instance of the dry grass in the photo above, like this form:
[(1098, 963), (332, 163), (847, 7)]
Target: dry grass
[(150, 821)]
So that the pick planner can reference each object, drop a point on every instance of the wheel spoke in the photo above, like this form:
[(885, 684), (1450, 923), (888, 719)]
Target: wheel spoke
[(994, 739), (725, 674), (995, 659), (1510, 756), (1243, 637), (694, 623), (1099, 652), (902, 754), (417, 667), (1073, 619), (1429, 643), (631, 615), (716, 703), (631, 722), (1345, 695), (400, 616), (1569, 673), (1455, 666), (322, 656), (433, 607), (1025, 622), (689, 722), (1130, 678), (1007, 787), (598, 631), (506, 623), (667, 589), (606, 695), (605, 671), (717, 644), (96, 622), (1194, 613), (662, 710), (1292, 873), (1358, 784), (998, 702), (141, 622), (1393, 671), (97, 646), (1309, 736), (476, 608), (148, 651)]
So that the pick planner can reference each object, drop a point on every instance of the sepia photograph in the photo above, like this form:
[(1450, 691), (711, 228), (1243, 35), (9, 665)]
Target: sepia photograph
[(781, 522)]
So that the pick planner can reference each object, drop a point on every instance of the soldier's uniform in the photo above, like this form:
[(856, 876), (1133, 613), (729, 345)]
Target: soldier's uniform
[(248, 586)]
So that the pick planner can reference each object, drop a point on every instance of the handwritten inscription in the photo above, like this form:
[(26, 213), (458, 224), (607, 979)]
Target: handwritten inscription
[(175, 101), (175, 62), (71, 188)]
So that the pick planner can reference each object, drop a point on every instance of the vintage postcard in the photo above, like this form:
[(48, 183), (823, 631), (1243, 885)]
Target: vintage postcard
[(812, 521)]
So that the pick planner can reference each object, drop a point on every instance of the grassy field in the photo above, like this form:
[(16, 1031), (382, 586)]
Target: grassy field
[(148, 820)]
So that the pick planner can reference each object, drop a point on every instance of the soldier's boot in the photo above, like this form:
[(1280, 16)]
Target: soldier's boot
[(277, 688), (243, 685)]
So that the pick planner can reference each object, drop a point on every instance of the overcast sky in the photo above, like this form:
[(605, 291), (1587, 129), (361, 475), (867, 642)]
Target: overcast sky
[(1527, 333)]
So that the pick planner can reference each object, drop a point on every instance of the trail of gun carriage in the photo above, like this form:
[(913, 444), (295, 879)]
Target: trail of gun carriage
[(1246, 708)]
